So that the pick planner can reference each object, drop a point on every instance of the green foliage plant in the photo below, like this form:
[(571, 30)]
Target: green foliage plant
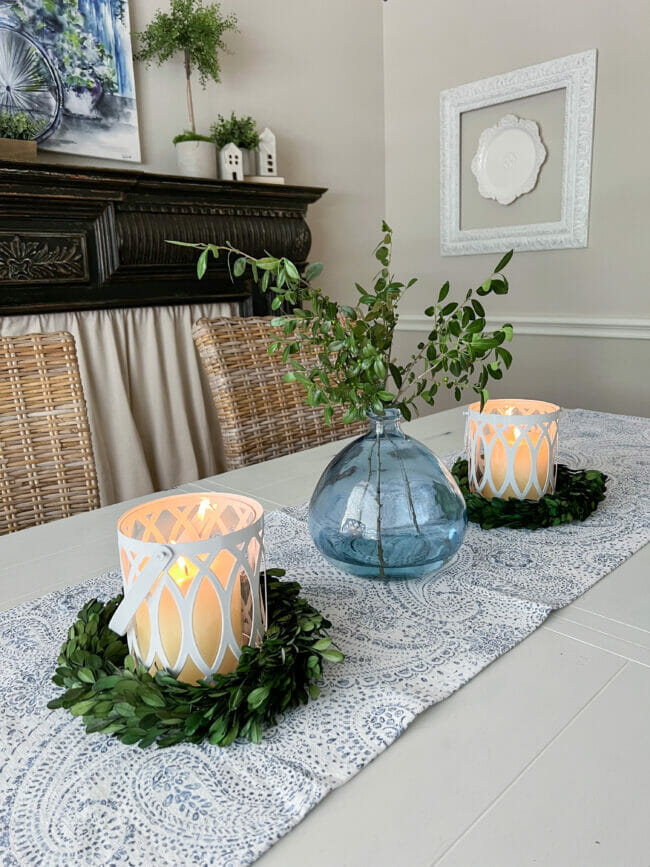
[(577, 494), (19, 126), (103, 684), (355, 367), (195, 30), (242, 131)]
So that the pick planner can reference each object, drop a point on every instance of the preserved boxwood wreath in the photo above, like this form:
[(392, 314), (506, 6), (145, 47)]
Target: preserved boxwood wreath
[(577, 495), (104, 685)]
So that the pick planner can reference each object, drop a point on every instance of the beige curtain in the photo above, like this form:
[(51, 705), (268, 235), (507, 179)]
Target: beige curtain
[(151, 415)]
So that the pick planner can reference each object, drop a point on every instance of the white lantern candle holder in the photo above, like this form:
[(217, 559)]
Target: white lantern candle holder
[(191, 566), (512, 448)]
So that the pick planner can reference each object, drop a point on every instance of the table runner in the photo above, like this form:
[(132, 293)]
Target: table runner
[(68, 798)]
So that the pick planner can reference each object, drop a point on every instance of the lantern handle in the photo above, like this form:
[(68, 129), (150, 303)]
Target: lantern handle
[(125, 612)]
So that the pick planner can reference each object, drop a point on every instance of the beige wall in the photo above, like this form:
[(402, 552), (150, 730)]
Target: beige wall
[(312, 71), (432, 46)]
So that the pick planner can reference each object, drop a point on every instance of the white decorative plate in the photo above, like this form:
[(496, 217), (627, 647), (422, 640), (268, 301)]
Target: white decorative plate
[(509, 157)]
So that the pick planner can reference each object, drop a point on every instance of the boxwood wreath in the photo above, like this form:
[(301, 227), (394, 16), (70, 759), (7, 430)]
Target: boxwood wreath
[(577, 495), (104, 685)]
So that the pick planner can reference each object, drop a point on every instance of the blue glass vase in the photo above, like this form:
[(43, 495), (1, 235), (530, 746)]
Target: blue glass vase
[(386, 507)]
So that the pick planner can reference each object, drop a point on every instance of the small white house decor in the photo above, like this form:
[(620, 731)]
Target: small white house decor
[(231, 163), (508, 159), (267, 161), (576, 76), (512, 448), (190, 565)]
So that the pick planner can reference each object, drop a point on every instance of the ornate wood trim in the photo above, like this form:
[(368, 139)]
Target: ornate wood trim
[(84, 238)]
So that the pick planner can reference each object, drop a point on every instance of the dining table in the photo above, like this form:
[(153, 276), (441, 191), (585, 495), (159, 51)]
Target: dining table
[(542, 758)]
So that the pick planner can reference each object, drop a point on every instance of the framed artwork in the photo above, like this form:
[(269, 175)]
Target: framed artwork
[(68, 65), (515, 159)]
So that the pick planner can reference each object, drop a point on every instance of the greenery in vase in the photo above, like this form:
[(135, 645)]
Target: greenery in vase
[(19, 126), (193, 29), (354, 364), (242, 131)]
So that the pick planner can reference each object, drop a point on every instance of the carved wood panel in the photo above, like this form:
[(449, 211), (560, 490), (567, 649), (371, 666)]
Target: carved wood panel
[(34, 257), (73, 238)]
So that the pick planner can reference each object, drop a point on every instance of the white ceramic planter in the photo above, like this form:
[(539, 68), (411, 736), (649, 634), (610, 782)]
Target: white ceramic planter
[(196, 159)]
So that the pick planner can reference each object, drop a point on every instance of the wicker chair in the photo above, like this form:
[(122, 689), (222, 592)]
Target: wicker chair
[(260, 415), (47, 469)]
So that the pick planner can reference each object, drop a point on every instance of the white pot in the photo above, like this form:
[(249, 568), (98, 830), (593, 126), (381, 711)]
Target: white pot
[(248, 161), (196, 159)]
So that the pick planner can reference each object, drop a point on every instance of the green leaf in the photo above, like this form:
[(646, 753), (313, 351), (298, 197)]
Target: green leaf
[(502, 264), (86, 675), (152, 698), (449, 308), (106, 682), (313, 271), (382, 254), (322, 644), (258, 696), (82, 707), (478, 308), (239, 267), (505, 356), (268, 263), (333, 655), (443, 292), (202, 264)]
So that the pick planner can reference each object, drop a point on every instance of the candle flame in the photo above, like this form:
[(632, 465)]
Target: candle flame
[(204, 505)]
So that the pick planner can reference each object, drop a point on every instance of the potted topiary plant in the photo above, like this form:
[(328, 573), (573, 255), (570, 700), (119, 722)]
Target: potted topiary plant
[(197, 32), (241, 131), (18, 133)]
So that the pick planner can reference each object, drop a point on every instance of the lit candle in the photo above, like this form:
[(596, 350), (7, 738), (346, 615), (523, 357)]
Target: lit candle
[(181, 593), (512, 461)]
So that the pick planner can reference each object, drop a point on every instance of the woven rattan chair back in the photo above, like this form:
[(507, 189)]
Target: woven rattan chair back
[(47, 469), (260, 415)]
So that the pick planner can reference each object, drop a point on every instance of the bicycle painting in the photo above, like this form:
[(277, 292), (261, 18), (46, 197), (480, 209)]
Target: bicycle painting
[(68, 65)]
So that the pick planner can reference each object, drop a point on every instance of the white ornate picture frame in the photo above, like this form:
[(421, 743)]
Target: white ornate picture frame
[(577, 75)]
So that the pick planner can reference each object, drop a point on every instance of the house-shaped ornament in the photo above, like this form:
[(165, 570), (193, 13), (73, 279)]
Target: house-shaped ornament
[(267, 161), (231, 163)]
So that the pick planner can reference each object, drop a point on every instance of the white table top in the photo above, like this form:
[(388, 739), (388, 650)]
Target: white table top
[(543, 758)]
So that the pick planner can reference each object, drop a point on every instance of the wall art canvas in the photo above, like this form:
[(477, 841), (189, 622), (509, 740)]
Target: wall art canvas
[(68, 65)]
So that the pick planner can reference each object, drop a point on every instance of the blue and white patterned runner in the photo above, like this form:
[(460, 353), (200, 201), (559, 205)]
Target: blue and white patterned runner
[(71, 799)]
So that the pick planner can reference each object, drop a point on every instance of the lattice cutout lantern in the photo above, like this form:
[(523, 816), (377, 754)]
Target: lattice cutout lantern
[(191, 566), (512, 448)]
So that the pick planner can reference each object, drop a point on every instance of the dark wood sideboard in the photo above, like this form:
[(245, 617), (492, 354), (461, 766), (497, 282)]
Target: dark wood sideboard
[(85, 238)]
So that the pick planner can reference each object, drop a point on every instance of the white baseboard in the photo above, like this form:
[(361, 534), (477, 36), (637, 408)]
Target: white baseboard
[(551, 326)]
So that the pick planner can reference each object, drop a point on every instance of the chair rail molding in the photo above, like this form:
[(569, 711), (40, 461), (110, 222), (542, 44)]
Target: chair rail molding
[(550, 326)]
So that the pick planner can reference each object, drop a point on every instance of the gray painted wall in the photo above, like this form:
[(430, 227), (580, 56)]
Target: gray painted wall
[(429, 47)]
